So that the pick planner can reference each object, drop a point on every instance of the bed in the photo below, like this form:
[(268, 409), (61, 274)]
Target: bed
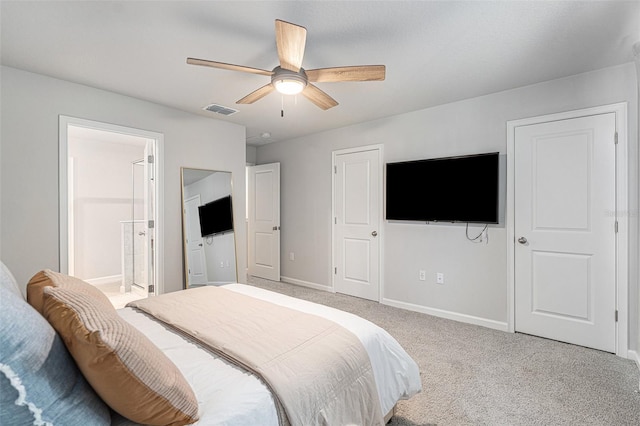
[(223, 390)]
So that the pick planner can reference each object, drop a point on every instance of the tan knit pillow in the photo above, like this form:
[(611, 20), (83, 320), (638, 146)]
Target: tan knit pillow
[(124, 367), (49, 278)]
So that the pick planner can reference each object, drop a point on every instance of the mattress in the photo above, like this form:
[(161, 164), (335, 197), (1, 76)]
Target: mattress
[(228, 395)]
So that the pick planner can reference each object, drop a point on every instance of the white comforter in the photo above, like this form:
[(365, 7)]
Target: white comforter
[(230, 396)]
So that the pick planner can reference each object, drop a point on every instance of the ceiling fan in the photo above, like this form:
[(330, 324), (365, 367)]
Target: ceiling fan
[(290, 78)]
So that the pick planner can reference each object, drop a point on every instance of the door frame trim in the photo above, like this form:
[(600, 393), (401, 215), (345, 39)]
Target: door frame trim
[(622, 206), (334, 154), (63, 198)]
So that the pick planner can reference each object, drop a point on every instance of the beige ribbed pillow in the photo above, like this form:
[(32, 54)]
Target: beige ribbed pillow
[(124, 367), (49, 278)]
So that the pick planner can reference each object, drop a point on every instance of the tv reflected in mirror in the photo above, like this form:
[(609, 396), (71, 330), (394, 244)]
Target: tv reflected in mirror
[(216, 217)]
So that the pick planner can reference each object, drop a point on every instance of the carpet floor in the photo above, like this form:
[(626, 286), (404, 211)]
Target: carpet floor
[(473, 375)]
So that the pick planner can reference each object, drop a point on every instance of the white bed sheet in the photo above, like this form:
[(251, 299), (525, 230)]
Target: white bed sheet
[(227, 395)]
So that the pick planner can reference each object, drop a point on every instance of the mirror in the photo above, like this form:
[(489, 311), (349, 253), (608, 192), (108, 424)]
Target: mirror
[(208, 235)]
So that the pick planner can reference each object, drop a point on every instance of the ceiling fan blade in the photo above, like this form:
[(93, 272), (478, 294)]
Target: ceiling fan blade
[(222, 65), (318, 97), (256, 95), (355, 73), (290, 41)]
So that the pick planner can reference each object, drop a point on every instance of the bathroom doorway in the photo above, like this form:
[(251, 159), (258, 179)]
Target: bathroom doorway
[(110, 206)]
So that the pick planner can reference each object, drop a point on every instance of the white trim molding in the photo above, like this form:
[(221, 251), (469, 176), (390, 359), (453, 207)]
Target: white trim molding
[(158, 139), (441, 313), (307, 284), (622, 209), (104, 280)]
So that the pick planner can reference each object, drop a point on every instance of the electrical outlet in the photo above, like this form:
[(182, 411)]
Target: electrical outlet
[(221, 264), (422, 275), (292, 256), (439, 278)]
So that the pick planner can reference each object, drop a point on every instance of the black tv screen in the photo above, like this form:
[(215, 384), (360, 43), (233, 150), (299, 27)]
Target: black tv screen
[(216, 216), (453, 189)]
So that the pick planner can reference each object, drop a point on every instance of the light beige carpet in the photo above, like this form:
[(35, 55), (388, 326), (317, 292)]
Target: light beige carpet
[(473, 375)]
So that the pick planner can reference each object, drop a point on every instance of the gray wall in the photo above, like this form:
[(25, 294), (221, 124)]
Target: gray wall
[(636, 260), (31, 104), (475, 274), (251, 154)]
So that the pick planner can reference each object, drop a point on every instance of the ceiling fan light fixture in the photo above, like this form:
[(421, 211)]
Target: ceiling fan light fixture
[(288, 82), (288, 86)]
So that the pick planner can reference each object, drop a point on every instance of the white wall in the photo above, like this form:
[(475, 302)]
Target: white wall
[(31, 104), (475, 274)]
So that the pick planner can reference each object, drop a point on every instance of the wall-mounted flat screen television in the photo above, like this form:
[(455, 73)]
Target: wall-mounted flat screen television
[(452, 189), (216, 217)]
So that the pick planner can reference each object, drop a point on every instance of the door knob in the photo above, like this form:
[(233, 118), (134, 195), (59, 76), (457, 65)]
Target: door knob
[(141, 233), (522, 240), (374, 233)]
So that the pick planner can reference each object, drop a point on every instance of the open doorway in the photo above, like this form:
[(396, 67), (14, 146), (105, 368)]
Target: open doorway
[(108, 208)]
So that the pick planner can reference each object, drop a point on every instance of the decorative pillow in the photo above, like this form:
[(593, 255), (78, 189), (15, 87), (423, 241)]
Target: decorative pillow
[(49, 278), (40, 383), (124, 367), (8, 281)]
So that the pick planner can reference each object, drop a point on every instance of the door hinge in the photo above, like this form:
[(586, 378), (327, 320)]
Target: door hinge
[(615, 138), (616, 315), (152, 288), (151, 224), (150, 159), (335, 271), (335, 169), (616, 226), (335, 220)]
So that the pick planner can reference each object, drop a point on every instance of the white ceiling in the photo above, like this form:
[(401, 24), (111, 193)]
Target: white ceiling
[(435, 51)]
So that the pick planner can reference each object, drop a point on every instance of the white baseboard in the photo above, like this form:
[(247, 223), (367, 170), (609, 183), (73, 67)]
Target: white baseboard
[(469, 319), (104, 280), (219, 283), (307, 284)]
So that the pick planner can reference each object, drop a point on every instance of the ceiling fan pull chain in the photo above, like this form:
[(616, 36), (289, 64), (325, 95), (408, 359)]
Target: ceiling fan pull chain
[(282, 107)]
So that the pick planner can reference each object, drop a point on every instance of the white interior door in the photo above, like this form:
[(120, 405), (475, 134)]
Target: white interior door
[(565, 230), (264, 221), (196, 263), (149, 218), (358, 205)]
